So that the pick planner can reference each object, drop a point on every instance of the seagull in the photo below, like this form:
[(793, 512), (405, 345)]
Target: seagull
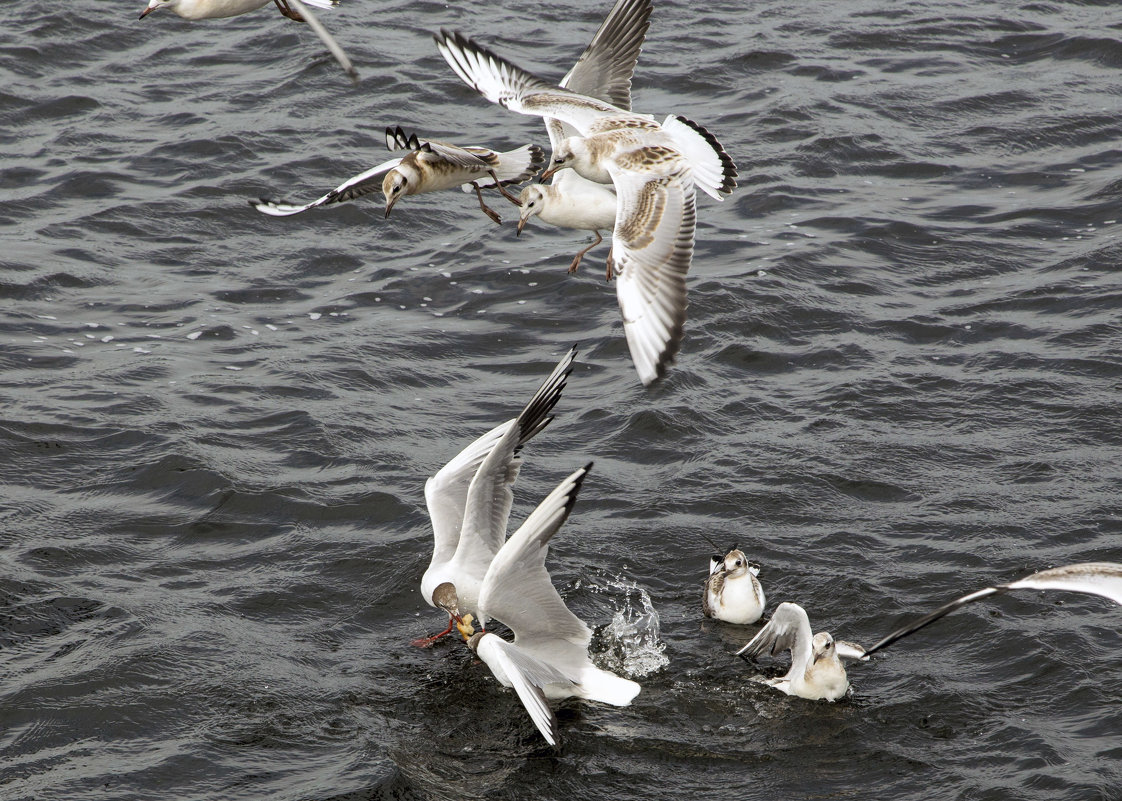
[(654, 169), (216, 9), (603, 71), (428, 167), (790, 628), (1093, 578), (816, 668), (732, 592), (549, 655), (469, 502)]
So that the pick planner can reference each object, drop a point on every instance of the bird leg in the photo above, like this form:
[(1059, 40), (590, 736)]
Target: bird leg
[(427, 642), (502, 189), (488, 211), (284, 8), (581, 254), (609, 265)]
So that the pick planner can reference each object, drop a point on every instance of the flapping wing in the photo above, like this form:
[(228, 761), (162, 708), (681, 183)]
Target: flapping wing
[(489, 495), (328, 40), (398, 139), (788, 630), (605, 68), (446, 492), (476, 158), (510, 86), (653, 247), (527, 676), (850, 651), (518, 591), (1094, 578), (361, 184)]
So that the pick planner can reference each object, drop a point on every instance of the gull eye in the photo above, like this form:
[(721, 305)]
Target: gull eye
[(738, 563), (559, 161), (531, 204), (397, 189)]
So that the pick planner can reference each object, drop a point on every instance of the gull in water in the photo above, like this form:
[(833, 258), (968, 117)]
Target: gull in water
[(790, 628), (603, 71), (293, 9), (732, 592), (549, 655), (654, 169), (469, 502), (816, 670), (429, 166)]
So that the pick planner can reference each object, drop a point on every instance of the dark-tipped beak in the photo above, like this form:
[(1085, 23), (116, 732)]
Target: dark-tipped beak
[(146, 12), (389, 205), (521, 224), (547, 174)]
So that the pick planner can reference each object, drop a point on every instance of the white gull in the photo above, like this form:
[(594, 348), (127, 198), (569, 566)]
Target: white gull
[(469, 502), (549, 655)]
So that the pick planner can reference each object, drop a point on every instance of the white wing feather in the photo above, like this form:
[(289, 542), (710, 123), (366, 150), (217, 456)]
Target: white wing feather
[(362, 184), (653, 248)]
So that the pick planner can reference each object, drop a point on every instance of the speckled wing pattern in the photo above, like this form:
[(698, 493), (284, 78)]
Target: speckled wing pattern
[(653, 248), (362, 184)]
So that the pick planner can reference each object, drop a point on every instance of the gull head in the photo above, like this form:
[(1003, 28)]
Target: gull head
[(398, 182), (822, 646), (444, 597), (530, 203), (568, 154), (736, 564), (154, 4)]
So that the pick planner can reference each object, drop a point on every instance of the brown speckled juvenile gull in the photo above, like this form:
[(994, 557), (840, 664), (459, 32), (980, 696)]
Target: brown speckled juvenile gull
[(430, 166), (654, 168)]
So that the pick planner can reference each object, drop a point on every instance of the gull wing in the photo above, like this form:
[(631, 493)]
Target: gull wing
[(517, 589), (397, 139), (605, 68), (1094, 578), (527, 676), (489, 497), (479, 158), (503, 82), (652, 245), (325, 37), (788, 630), (361, 184), (446, 492), (850, 651)]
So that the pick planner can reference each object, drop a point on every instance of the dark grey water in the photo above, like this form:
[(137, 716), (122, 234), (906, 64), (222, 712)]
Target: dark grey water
[(900, 381)]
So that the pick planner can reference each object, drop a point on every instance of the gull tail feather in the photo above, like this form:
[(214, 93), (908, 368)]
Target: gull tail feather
[(713, 170)]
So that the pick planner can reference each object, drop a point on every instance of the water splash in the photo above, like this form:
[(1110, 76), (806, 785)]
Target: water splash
[(630, 644)]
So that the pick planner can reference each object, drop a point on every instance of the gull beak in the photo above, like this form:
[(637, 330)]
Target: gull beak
[(547, 174), (389, 204), (463, 625), (522, 220), (146, 12)]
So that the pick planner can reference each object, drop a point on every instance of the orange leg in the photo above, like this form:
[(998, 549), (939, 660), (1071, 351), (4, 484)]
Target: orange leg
[(579, 256), (488, 211), (427, 642), (285, 9)]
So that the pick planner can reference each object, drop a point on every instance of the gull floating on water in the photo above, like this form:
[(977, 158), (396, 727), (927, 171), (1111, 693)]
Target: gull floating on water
[(654, 168), (469, 502), (816, 668), (790, 628), (603, 71), (428, 167), (549, 655), (293, 9), (732, 592)]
